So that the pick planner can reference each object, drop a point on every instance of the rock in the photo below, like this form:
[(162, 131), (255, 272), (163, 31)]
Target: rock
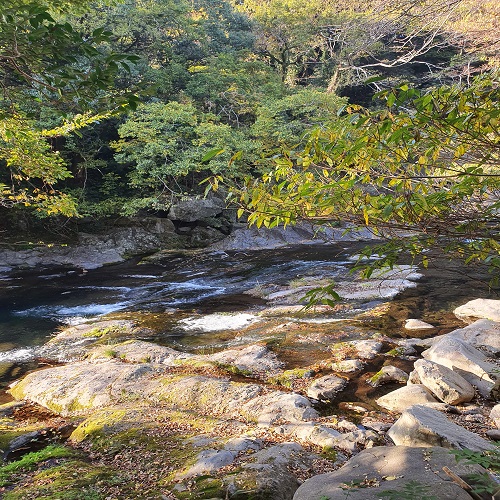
[(74, 343), (386, 374), (196, 209), (138, 351), (495, 415), (444, 383), (134, 237), (483, 334), (269, 473), (389, 468), (75, 388), (493, 434), (201, 237), (400, 399), (417, 324), (326, 388), (467, 361), (423, 426), (348, 366), (278, 406), (479, 308), (254, 358)]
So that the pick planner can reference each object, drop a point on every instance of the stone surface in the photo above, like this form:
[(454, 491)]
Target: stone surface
[(387, 374), (467, 361), (483, 334), (417, 324), (387, 468), (254, 358), (495, 415), (479, 308), (326, 388), (400, 399), (136, 236), (268, 474), (443, 382), (78, 387), (195, 209), (348, 366), (423, 426), (366, 349)]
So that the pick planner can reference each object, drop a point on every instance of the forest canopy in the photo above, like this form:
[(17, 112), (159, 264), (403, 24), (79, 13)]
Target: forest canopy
[(117, 108)]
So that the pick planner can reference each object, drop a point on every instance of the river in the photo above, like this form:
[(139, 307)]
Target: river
[(178, 295)]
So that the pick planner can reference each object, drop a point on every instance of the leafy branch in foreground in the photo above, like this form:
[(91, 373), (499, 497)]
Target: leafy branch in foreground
[(423, 172)]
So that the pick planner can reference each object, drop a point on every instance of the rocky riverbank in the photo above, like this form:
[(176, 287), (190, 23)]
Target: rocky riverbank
[(141, 420)]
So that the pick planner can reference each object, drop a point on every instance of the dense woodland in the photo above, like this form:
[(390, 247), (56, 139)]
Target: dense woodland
[(382, 113)]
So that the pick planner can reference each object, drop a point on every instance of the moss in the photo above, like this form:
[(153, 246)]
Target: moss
[(31, 460), (232, 369), (329, 453), (98, 425), (396, 352), (202, 487), (72, 480), (113, 330), (287, 378)]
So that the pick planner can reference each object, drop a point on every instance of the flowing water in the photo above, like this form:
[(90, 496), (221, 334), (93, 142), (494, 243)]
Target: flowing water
[(182, 296)]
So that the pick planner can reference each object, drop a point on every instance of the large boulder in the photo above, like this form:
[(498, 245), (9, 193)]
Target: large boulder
[(479, 308), (443, 382), (195, 209), (406, 396), (424, 426), (387, 468), (483, 334), (467, 361)]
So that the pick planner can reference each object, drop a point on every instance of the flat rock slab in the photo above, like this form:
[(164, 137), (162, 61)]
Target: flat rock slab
[(387, 468), (81, 386), (443, 382), (424, 426), (254, 358), (400, 399), (479, 308)]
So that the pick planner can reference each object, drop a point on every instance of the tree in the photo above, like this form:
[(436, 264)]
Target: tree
[(46, 64), (424, 172), (165, 145)]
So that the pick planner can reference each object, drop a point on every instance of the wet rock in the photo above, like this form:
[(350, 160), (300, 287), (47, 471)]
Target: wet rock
[(479, 308), (389, 468), (35, 441), (387, 374), (348, 366), (444, 383), (73, 343), (423, 426), (467, 361), (326, 388), (495, 415), (400, 399), (367, 349), (138, 351), (417, 324)]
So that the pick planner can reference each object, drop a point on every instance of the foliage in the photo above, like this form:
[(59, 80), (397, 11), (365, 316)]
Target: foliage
[(428, 163), (44, 63), (165, 142)]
